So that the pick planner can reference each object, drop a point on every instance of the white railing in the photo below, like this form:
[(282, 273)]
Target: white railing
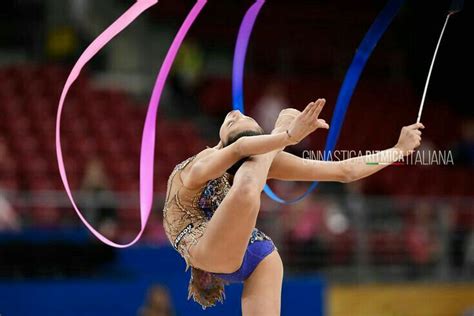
[(346, 237)]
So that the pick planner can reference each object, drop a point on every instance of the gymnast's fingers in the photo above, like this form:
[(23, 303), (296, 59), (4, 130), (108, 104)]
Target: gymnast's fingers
[(312, 109), (321, 103), (416, 126), (322, 124), (317, 109), (310, 116), (308, 108)]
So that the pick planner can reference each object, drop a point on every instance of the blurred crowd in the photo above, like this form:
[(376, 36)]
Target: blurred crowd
[(356, 224), (157, 303), (340, 226)]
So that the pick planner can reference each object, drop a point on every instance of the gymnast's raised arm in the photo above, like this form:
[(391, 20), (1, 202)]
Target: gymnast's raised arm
[(237, 144), (292, 168)]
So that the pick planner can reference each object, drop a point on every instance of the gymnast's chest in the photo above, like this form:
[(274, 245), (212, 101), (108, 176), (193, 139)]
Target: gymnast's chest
[(213, 194)]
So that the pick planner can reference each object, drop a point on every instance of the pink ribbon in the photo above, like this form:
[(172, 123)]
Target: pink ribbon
[(148, 137)]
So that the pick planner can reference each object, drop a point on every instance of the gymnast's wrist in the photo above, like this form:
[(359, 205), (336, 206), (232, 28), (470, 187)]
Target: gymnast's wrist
[(399, 148), (290, 140), (399, 153)]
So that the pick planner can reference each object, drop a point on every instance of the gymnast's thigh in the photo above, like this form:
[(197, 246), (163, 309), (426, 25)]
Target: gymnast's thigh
[(225, 239), (262, 290)]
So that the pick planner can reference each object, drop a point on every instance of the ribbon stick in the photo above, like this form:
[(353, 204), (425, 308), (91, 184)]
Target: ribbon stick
[(431, 69), (359, 61), (456, 6), (148, 138)]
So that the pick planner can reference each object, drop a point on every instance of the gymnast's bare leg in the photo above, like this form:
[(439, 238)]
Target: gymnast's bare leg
[(262, 290), (223, 245), (225, 240)]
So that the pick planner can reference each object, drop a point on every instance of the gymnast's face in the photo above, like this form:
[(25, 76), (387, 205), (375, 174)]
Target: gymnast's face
[(235, 122)]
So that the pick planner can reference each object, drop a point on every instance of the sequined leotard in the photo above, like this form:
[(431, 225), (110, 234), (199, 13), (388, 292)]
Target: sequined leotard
[(185, 217)]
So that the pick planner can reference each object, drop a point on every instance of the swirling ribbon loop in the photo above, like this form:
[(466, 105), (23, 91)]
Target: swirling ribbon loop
[(351, 79), (148, 137)]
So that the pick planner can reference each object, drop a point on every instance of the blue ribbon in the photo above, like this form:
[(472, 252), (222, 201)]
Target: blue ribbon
[(240, 53), (351, 79)]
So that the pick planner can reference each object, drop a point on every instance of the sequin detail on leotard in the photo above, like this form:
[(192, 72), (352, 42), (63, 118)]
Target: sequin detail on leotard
[(186, 214), (213, 194), (185, 222)]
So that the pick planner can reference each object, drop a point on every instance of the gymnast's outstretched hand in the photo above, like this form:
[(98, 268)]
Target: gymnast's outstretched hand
[(284, 120), (300, 124), (410, 138)]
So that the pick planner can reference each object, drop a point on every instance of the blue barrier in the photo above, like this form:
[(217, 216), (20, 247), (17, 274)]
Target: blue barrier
[(137, 269)]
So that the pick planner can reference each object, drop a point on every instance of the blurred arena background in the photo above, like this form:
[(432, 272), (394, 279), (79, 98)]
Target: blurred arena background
[(399, 243)]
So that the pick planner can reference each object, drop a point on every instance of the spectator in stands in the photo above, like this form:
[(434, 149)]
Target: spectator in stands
[(267, 110), (185, 78), (354, 198), (461, 237), (102, 207), (269, 106), (356, 204), (464, 150), (8, 218), (422, 244), (304, 223), (158, 303)]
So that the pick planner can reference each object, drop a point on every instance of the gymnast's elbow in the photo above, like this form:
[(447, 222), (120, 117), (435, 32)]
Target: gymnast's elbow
[(241, 149)]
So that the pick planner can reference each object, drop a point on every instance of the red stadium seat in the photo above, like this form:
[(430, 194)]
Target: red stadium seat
[(108, 124)]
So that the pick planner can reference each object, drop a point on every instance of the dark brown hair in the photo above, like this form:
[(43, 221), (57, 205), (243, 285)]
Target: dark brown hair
[(232, 139)]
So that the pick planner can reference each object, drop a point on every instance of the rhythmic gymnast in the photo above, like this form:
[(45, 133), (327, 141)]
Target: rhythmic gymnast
[(213, 199)]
